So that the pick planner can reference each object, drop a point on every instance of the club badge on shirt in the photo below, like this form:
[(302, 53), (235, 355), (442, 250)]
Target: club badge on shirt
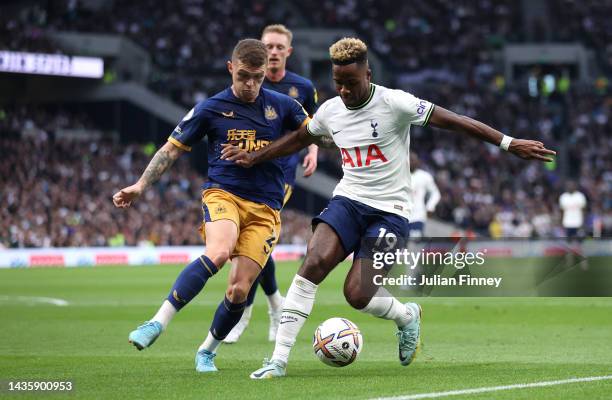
[(270, 113)]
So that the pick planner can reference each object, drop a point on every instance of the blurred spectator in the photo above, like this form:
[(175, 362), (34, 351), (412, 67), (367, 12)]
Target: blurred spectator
[(572, 203)]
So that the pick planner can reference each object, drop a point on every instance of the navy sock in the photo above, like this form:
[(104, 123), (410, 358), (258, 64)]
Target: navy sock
[(267, 278), (191, 281), (226, 317), (251, 296)]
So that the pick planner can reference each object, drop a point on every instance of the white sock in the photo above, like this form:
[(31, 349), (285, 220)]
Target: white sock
[(210, 343), (165, 314), (275, 301), (387, 307), (297, 307), (246, 315)]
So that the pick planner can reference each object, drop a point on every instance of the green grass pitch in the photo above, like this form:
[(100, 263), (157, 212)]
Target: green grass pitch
[(468, 342)]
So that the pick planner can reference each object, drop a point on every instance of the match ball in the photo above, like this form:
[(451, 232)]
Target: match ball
[(337, 342)]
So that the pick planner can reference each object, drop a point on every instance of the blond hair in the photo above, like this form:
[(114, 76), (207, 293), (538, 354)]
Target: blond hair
[(347, 51), (278, 28)]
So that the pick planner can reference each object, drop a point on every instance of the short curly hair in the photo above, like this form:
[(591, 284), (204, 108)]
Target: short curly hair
[(347, 51)]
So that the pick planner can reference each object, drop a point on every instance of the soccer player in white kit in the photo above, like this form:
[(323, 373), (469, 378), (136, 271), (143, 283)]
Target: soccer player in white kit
[(425, 197), (572, 203), (370, 124)]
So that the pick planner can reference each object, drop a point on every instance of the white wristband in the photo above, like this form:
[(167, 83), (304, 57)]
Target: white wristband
[(505, 143)]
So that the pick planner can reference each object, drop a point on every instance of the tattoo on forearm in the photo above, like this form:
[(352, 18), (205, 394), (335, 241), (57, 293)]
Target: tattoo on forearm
[(162, 160)]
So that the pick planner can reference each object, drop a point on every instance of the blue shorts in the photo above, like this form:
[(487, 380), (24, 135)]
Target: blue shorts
[(417, 229), (355, 222), (573, 233)]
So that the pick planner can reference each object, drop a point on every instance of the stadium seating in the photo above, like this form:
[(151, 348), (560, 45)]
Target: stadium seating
[(56, 190), (482, 190)]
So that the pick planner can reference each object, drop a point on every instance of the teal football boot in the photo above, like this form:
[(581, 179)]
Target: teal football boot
[(145, 335), (410, 336), (204, 361)]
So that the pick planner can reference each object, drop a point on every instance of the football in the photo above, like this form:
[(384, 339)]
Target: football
[(337, 342)]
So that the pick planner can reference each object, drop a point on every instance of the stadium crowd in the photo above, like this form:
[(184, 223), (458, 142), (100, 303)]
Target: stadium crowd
[(179, 34), (189, 40), (25, 31), (56, 191), (500, 195), (587, 22), (447, 34)]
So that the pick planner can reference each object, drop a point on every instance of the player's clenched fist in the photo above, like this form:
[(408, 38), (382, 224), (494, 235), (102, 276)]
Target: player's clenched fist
[(530, 150), (234, 153), (125, 197)]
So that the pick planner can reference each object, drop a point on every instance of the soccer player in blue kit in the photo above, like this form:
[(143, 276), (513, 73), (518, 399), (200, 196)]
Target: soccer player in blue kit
[(241, 207), (370, 124), (277, 39)]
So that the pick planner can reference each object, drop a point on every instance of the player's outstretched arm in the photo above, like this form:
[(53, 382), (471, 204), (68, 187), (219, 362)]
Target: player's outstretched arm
[(525, 149), (161, 161), (288, 144)]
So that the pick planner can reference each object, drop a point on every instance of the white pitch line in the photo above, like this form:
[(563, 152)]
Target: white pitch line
[(34, 300), (435, 395)]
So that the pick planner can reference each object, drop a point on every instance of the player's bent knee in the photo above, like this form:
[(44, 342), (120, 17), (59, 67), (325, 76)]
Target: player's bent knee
[(314, 268), (218, 256), (356, 300), (238, 292), (354, 296)]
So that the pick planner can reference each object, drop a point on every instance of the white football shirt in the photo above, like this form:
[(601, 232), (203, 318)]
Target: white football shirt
[(423, 184), (374, 140), (572, 205)]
